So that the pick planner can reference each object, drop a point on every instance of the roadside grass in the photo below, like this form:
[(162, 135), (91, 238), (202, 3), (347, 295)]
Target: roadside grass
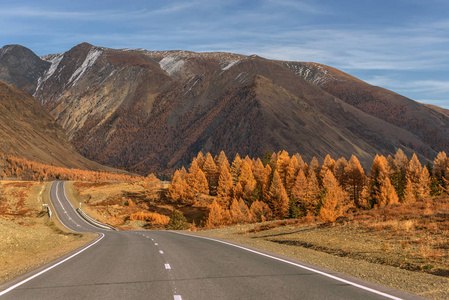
[(28, 237)]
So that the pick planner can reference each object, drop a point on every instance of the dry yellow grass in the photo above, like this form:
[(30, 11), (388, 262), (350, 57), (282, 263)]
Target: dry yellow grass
[(29, 238)]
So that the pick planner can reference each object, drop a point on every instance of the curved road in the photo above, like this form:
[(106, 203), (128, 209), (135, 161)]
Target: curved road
[(171, 265)]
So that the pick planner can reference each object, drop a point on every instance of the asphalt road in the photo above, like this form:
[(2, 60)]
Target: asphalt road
[(171, 265)]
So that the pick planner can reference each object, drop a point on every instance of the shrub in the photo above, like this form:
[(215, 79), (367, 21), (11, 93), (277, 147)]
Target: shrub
[(177, 221)]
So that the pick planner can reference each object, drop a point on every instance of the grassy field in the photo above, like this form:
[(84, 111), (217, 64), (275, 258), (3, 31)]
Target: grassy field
[(29, 238)]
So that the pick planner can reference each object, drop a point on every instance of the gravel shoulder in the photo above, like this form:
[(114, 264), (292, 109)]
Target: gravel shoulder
[(419, 283)]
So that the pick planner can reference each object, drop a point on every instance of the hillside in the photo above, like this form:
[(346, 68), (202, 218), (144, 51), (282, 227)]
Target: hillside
[(429, 123), (152, 111), (28, 131)]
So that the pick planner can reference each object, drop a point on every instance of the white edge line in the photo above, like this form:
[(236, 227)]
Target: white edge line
[(70, 203), (297, 265), (62, 206), (49, 268)]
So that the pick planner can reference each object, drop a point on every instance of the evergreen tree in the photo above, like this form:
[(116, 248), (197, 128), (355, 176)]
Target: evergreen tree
[(177, 221), (266, 158)]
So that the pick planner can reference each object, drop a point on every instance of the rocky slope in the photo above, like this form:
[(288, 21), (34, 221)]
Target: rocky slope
[(28, 131), (148, 111)]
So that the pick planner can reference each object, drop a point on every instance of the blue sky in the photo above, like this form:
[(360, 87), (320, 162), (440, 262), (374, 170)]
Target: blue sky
[(402, 45)]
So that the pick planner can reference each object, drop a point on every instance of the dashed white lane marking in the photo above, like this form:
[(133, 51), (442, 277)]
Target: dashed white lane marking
[(167, 267), (49, 268), (156, 244), (297, 265), (161, 252), (177, 297)]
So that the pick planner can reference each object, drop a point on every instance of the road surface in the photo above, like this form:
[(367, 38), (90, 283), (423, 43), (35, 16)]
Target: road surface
[(175, 266)]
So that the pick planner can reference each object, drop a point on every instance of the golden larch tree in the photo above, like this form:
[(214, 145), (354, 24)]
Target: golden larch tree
[(339, 171), (315, 167), (235, 168), (260, 211), (221, 161), (328, 164), (299, 191), (333, 199), (225, 187), (210, 171), (278, 201), (240, 213), (423, 186), (200, 160), (312, 196), (386, 194), (292, 171), (247, 181), (282, 162), (197, 180), (355, 180), (217, 216), (178, 188)]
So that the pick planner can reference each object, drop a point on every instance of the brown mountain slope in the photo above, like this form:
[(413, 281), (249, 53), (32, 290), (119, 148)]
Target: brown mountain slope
[(148, 111), (28, 131), (429, 124)]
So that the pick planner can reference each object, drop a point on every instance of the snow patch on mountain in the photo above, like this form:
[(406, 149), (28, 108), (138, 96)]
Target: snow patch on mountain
[(171, 64), (54, 59), (230, 64), (313, 73), (91, 57)]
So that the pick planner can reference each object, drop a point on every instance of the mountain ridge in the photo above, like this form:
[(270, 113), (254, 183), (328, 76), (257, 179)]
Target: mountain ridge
[(147, 111)]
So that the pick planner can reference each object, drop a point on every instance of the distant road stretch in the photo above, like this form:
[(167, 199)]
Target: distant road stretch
[(171, 265)]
